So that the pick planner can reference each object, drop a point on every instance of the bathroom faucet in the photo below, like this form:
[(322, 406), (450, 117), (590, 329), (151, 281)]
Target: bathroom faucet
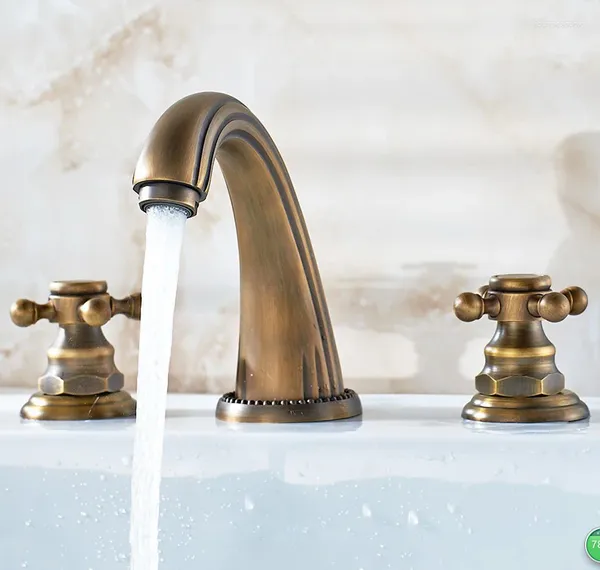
[(288, 365), (520, 382)]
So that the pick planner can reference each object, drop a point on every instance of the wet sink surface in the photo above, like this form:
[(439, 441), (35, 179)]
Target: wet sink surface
[(410, 486)]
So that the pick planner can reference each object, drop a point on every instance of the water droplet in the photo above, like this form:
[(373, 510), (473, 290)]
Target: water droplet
[(83, 514), (28, 523), (126, 460), (24, 564), (451, 508), (102, 477), (248, 503), (546, 481), (469, 530), (366, 511), (412, 519)]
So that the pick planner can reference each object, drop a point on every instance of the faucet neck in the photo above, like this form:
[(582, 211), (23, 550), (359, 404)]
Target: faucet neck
[(287, 350)]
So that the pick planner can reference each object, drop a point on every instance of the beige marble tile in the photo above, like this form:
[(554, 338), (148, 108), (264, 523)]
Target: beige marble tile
[(431, 145)]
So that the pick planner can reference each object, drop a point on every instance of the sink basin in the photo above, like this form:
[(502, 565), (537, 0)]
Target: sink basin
[(408, 486)]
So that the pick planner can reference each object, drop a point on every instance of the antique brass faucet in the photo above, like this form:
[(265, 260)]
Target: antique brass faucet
[(520, 381), (288, 366), (81, 381)]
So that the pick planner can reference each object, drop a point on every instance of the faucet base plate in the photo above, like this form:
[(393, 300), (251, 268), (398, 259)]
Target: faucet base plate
[(232, 409), (562, 407), (109, 405)]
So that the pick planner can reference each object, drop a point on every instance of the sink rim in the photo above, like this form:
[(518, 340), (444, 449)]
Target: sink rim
[(382, 415)]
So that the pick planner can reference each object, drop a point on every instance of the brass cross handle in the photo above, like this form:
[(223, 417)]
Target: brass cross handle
[(97, 311), (470, 307), (76, 302), (520, 381), (520, 298), (25, 313), (555, 306)]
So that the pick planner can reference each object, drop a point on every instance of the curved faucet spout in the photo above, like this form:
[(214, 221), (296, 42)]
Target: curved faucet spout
[(288, 365)]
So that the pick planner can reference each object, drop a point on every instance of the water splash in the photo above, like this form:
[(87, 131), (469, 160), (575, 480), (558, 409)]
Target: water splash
[(412, 518), (248, 503), (164, 236)]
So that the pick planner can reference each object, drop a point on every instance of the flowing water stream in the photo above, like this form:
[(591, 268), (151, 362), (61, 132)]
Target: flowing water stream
[(164, 236)]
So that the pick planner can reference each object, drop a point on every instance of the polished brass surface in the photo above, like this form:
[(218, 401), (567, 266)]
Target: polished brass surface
[(109, 405), (345, 405), (78, 287), (520, 283), (81, 380), (520, 381), (563, 407), (287, 350)]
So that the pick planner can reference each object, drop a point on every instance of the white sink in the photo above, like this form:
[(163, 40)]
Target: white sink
[(408, 486)]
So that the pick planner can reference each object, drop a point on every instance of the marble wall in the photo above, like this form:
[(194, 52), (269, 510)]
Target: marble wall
[(432, 144)]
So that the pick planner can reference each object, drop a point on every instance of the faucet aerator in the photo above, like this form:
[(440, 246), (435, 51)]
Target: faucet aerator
[(169, 193)]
